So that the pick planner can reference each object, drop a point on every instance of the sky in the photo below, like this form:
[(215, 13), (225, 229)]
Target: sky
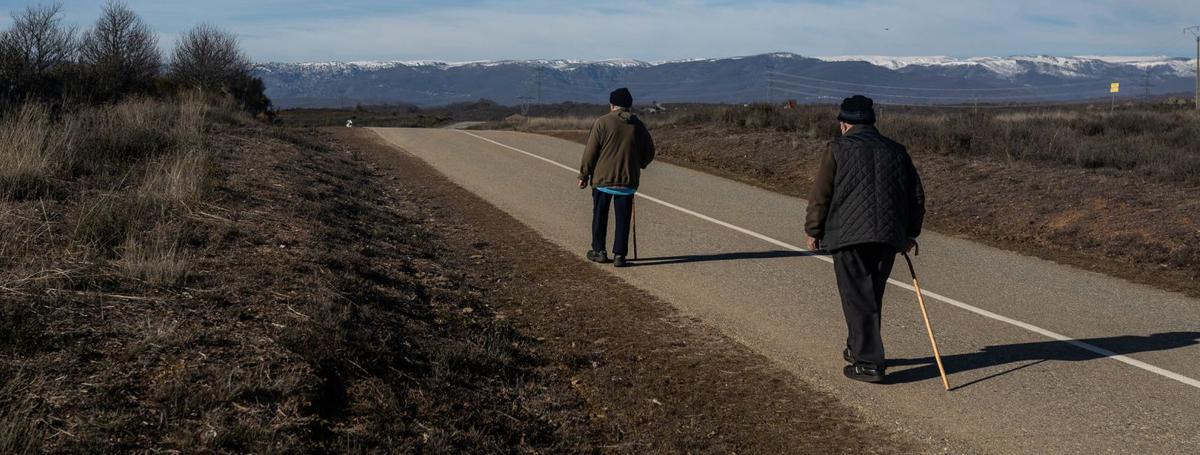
[(470, 30)]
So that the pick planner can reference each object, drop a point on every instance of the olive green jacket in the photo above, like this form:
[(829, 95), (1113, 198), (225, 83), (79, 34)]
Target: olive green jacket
[(617, 150)]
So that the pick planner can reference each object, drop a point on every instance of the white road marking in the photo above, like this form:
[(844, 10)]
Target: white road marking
[(979, 311)]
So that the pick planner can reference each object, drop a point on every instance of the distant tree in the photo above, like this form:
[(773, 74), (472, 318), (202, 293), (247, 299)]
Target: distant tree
[(209, 58), (10, 70), (37, 54), (120, 54), (40, 40)]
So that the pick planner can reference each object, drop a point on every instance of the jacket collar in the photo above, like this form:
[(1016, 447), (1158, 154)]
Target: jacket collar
[(859, 129)]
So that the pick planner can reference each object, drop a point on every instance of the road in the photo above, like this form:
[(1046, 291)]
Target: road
[(1044, 358)]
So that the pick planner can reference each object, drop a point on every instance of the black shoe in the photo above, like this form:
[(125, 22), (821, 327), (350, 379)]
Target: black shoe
[(598, 256), (619, 261), (863, 373), (846, 355)]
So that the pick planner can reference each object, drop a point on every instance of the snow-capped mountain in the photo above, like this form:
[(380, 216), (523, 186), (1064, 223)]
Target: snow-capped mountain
[(1079, 67), (776, 76)]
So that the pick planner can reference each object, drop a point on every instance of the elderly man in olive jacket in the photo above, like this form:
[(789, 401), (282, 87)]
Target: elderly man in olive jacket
[(617, 150), (867, 205)]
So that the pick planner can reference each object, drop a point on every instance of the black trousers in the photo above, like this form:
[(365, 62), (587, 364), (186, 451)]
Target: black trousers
[(600, 204), (862, 273)]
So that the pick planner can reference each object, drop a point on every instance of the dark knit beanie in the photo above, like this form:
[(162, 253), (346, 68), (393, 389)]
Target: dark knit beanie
[(858, 110), (621, 98)]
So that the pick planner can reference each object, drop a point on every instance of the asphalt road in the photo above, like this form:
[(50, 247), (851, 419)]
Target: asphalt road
[(1044, 358)]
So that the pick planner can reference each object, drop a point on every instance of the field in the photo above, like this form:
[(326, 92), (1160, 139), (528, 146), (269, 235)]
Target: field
[(1111, 192)]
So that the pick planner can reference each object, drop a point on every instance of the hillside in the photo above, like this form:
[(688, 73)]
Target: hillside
[(926, 80)]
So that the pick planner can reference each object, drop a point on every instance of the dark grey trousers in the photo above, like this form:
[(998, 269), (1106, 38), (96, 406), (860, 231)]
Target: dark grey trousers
[(862, 273)]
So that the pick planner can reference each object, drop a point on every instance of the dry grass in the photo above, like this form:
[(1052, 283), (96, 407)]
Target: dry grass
[(178, 178), (555, 123), (30, 147), (155, 258), (21, 429), (131, 170), (193, 111), (1154, 143)]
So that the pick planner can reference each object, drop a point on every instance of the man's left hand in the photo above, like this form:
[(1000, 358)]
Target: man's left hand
[(582, 184)]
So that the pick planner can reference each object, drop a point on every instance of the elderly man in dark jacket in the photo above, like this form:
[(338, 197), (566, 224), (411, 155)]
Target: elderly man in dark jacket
[(867, 205), (617, 150)]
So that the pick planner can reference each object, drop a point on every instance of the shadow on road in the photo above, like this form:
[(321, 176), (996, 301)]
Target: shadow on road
[(1036, 353), (667, 260)]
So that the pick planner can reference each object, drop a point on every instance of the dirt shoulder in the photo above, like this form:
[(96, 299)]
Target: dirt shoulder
[(340, 296), (1107, 221), (649, 379)]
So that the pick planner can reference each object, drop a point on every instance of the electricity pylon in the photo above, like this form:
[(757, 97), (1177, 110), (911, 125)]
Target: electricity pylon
[(1195, 31)]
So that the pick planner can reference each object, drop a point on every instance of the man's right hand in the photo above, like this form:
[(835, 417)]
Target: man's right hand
[(583, 184), (912, 245), (814, 245)]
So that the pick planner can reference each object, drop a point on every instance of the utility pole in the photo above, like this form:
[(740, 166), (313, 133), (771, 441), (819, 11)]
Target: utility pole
[(1195, 31), (1146, 82), (539, 84), (770, 75), (524, 106)]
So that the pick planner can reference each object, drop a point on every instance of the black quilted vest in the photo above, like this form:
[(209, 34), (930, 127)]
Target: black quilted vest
[(874, 189)]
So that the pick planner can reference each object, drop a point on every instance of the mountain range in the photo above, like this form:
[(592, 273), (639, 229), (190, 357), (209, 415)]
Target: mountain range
[(765, 77)]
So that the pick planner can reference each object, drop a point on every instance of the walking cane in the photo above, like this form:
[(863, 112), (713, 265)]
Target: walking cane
[(633, 221), (937, 356)]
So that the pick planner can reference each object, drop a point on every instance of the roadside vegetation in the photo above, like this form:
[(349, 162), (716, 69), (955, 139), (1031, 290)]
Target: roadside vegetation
[(413, 116), (1152, 140), (108, 163)]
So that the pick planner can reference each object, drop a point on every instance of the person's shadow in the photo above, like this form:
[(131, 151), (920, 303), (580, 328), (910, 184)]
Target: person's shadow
[(667, 260), (1036, 353)]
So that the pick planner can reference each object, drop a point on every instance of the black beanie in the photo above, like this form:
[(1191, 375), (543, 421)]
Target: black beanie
[(858, 110), (621, 98)]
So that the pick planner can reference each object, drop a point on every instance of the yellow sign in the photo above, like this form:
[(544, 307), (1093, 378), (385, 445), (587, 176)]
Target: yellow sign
[(1116, 88)]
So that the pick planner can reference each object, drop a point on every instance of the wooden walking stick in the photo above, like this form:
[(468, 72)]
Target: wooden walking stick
[(633, 221), (937, 356)]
